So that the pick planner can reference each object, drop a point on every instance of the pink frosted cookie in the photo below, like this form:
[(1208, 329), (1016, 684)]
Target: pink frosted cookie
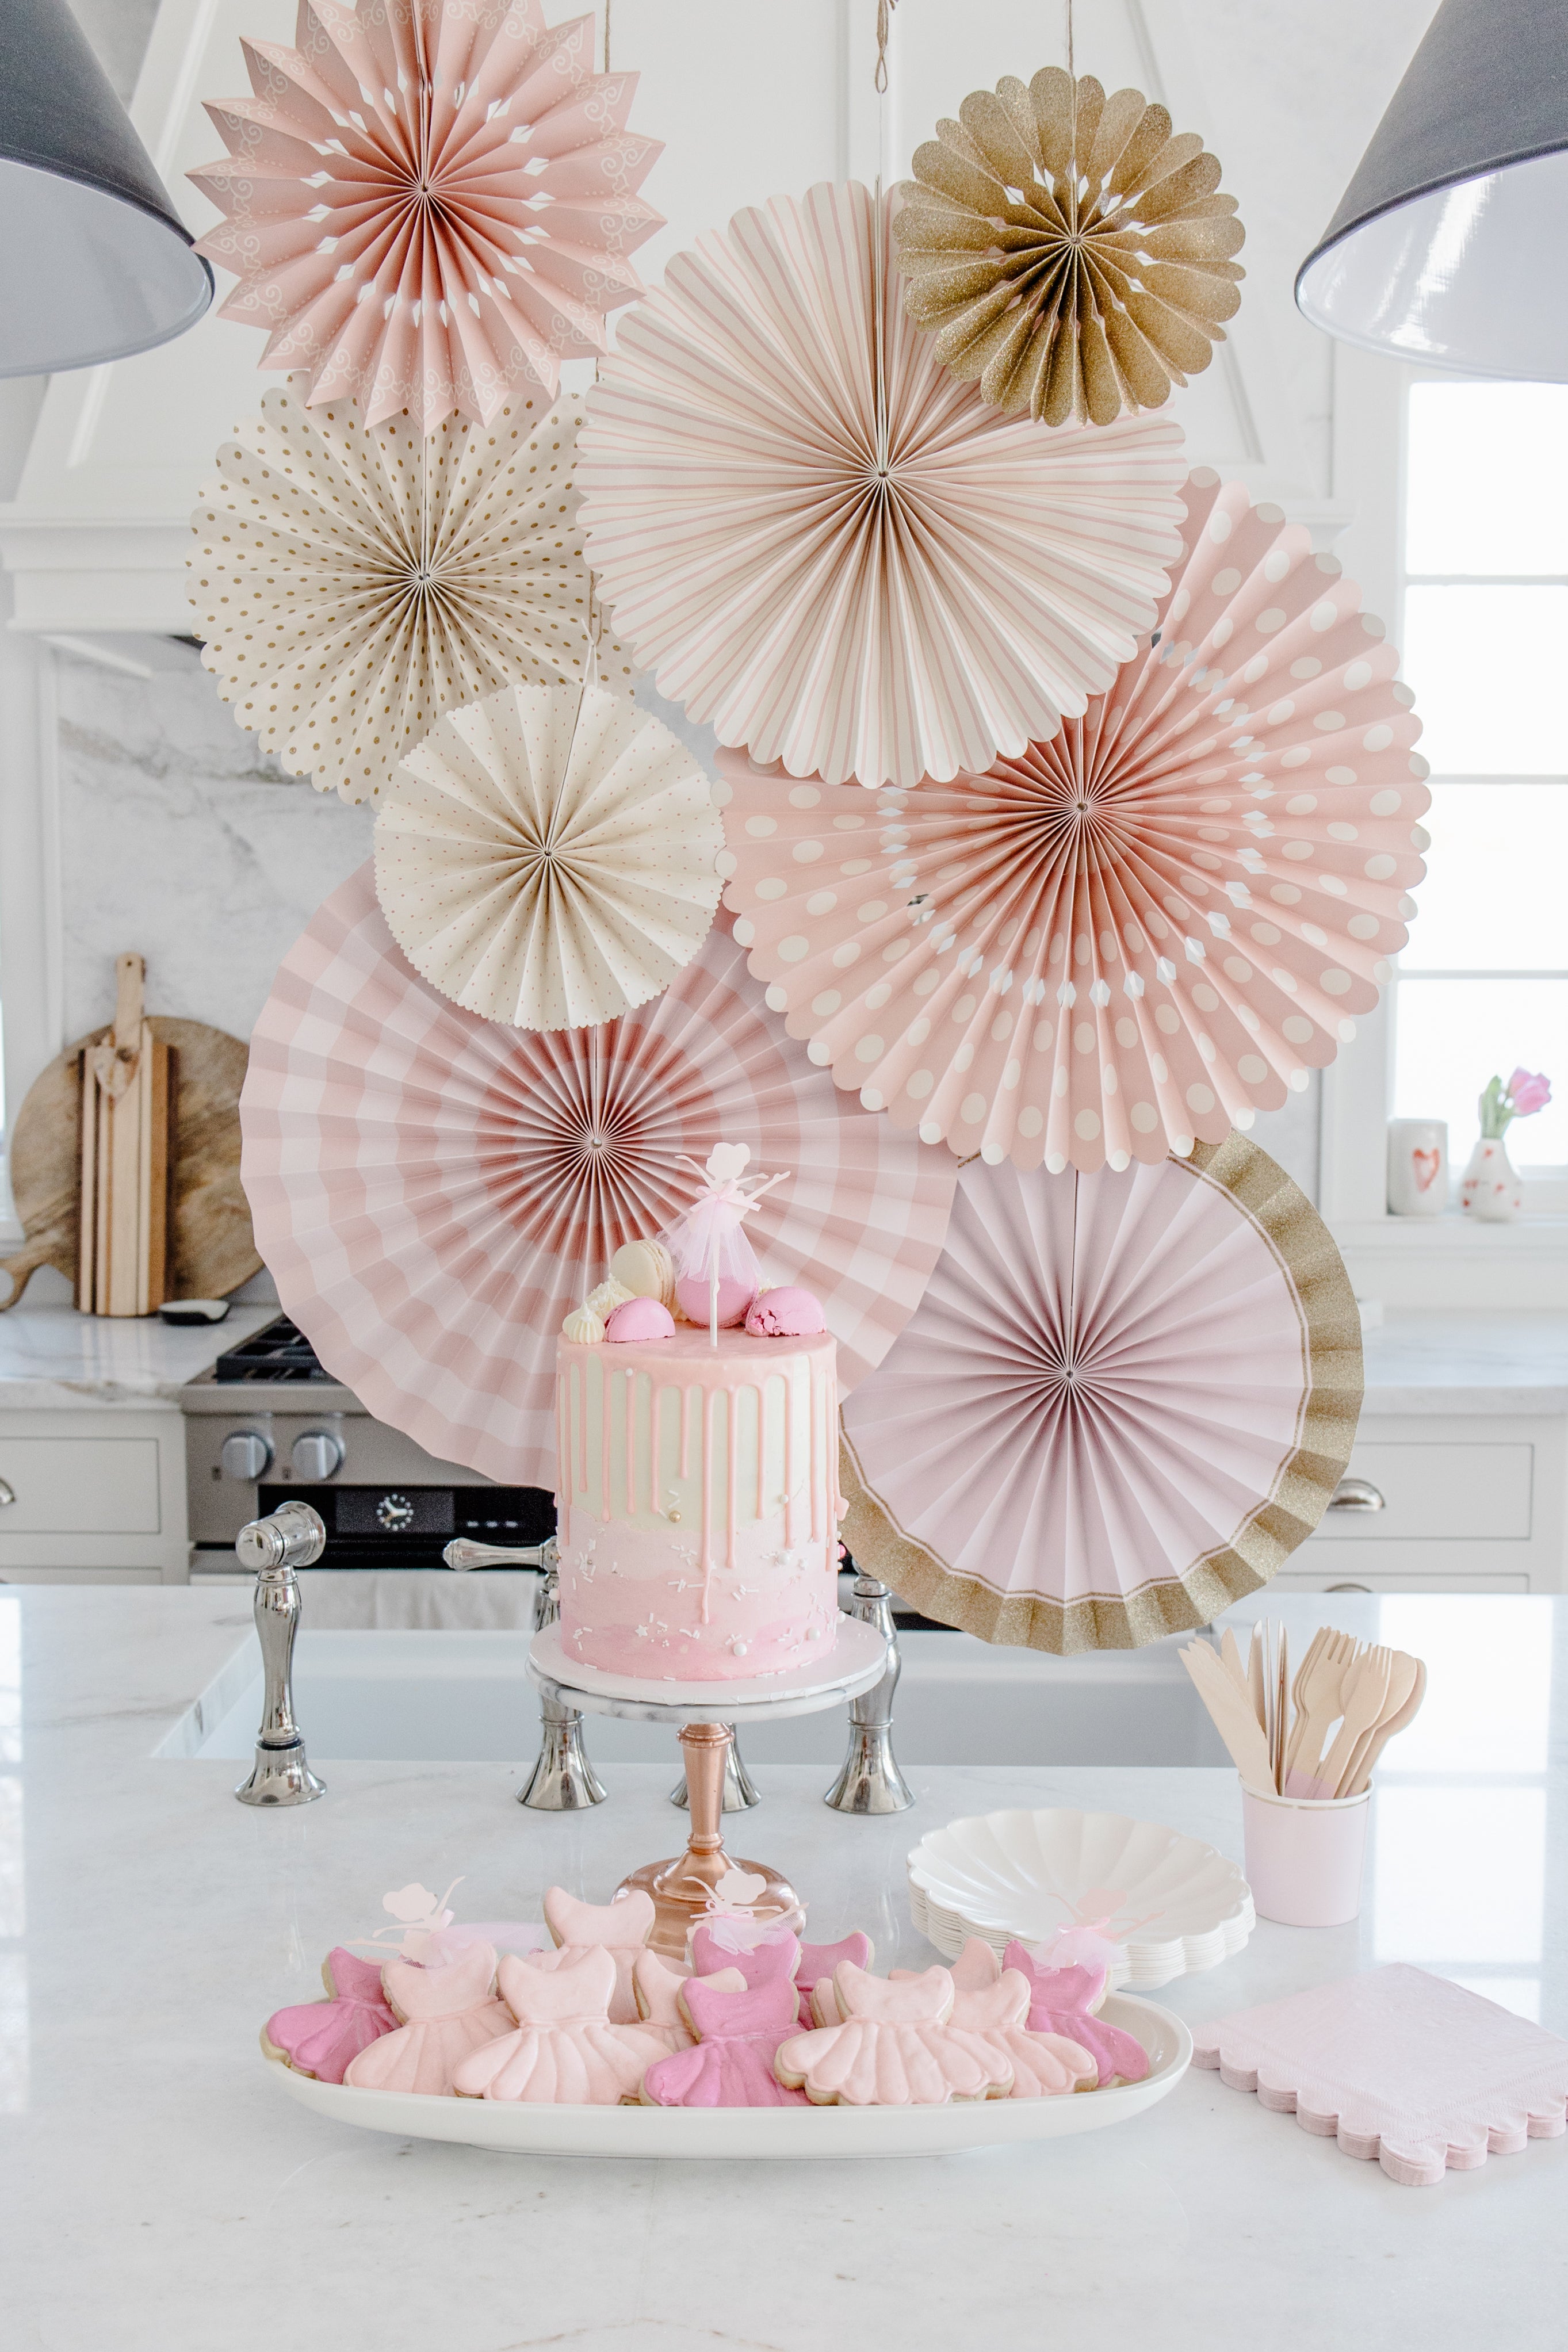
[(322, 2037), (442, 2013), (815, 1967), (658, 1988), (621, 1928), (894, 2049), (730, 2063), (1043, 2065), (564, 2052), (1063, 2000)]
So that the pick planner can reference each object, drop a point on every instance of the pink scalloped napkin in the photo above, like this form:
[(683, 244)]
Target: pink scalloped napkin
[(1399, 2065)]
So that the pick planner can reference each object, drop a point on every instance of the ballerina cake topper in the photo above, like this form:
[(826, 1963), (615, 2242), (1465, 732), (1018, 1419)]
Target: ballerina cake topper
[(716, 1271)]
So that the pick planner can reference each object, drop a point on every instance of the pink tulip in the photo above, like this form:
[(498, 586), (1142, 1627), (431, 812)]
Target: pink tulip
[(1527, 1094)]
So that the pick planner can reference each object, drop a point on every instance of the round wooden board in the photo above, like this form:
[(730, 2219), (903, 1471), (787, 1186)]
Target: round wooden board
[(212, 1248)]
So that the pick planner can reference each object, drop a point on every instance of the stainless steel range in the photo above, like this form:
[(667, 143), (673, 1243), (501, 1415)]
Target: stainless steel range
[(266, 1425)]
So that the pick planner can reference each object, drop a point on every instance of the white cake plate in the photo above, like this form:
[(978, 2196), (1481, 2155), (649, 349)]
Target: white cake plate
[(856, 1660), (513, 2127)]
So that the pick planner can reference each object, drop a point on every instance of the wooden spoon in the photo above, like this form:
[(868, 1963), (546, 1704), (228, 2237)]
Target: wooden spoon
[(1363, 1699), (1383, 1731)]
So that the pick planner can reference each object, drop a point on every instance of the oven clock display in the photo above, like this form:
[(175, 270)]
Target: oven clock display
[(394, 1513)]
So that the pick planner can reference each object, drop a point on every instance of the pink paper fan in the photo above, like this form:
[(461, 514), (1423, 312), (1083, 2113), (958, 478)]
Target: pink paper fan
[(825, 545), (428, 204), (1149, 927), (1122, 1402), (433, 1192)]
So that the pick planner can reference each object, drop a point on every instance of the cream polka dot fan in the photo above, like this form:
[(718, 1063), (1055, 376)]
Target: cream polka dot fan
[(1145, 929)]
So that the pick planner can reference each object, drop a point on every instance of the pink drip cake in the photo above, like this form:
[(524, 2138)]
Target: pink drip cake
[(698, 1503)]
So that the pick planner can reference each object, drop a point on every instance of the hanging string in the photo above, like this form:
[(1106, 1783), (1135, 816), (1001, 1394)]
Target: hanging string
[(884, 26)]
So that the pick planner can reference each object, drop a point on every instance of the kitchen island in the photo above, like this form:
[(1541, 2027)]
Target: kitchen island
[(160, 2190)]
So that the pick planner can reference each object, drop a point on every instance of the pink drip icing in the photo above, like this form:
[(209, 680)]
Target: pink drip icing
[(581, 1378), (761, 1448), (816, 1460), (685, 1431), (732, 1470), (789, 1459), (656, 1463), (603, 1446), (631, 1457)]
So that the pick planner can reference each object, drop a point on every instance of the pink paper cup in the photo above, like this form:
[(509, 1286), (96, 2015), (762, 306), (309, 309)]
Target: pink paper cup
[(1304, 1856)]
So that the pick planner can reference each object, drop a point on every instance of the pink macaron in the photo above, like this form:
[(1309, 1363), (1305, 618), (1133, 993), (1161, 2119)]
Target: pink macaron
[(790, 1313), (639, 1318)]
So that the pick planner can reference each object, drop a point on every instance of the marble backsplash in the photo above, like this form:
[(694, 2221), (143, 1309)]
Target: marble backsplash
[(181, 839)]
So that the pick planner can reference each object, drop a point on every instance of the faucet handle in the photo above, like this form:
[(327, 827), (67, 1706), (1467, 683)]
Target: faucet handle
[(292, 1536), (462, 1553)]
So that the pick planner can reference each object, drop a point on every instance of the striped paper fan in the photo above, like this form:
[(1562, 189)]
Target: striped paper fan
[(827, 548), (433, 1192), (1148, 928), (1123, 1402)]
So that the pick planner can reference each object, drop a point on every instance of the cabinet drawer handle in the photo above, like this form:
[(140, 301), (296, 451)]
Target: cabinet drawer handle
[(1356, 1494), (7, 1493)]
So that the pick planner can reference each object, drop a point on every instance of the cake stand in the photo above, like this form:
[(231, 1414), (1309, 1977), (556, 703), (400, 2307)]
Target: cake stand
[(687, 1887)]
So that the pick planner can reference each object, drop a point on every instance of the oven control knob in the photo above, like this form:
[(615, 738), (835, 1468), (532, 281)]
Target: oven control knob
[(245, 1456), (394, 1513), (317, 1454)]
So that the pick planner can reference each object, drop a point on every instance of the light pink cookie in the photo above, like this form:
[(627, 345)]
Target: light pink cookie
[(658, 1988), (1043, 2065), (444, 2013), (894, 2049), (815, 1967), (730, 2063), (564, 2052), (622, 1928), (1064, 2000), (324, 2037)]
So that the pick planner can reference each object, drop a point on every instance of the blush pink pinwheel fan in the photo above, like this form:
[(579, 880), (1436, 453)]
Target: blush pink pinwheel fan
[(428, 202), (1124, 1401), (1148, 928), (822, 543), (433, 1192)]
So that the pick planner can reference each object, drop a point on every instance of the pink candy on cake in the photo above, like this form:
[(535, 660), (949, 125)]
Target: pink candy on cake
[(691, 1295), (789, 1313), (639, 1319)]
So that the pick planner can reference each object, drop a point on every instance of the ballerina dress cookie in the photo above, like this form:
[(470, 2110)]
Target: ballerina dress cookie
[(324, 2037), (1065, 2002), (563, 2052), (658, 1988), (442, 2013), (736, 2036), (994, 2002), (621, 1928), (896, 2047), (815, 1967)]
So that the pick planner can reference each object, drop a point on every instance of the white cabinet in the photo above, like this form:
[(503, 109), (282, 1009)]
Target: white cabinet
[(1471, 1503), (93, 1492)]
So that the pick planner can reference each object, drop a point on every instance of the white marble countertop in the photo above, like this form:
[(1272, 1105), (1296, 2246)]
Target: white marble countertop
[(52, 1356), (1464, 1360), (158, 2190)]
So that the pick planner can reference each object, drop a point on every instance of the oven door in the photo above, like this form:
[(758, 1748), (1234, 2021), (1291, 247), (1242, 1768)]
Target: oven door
[(406, 1525)]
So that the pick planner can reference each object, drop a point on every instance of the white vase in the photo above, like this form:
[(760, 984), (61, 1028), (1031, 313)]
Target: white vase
[(1418, 1167), (1491, 1189)]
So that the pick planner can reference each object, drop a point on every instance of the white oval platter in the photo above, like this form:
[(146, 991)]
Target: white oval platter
[(1179, 1906), (510, 2128)]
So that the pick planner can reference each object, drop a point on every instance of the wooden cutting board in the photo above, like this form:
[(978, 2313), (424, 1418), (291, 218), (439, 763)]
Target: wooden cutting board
[(213, 1250)]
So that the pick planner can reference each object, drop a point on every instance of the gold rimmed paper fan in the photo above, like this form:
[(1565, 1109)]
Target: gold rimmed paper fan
[(351, 584), (828, 549), (1072, 256), (428, 202), (1151, 926), (545, 857)]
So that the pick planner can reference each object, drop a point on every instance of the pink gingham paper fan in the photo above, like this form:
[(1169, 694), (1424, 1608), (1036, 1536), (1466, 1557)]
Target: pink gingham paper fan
[(428, 202), (1149, 927), (433, 1192), (1123, 1402), (827, 548)]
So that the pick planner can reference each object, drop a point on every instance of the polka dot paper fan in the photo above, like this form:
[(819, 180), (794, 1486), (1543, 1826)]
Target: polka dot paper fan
[(1146, 928), (351, 584)]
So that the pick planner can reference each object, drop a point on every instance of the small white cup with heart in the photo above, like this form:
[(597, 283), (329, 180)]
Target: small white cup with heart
[(1418, 1167)]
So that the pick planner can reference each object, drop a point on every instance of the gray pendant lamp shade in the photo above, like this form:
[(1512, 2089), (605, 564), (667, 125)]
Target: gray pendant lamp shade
[(1448, 248), (94, 261)]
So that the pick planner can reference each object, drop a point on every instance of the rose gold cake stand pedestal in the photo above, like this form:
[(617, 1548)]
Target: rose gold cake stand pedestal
[(686, 1887)]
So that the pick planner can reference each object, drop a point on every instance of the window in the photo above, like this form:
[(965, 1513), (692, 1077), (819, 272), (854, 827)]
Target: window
[(1482, 986)]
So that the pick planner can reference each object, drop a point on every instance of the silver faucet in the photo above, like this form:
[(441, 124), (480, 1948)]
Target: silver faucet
[(291, 1536), (870, 1781), (562, 1780)]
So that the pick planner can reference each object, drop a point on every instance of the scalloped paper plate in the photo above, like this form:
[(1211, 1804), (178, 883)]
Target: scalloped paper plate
[(1175, 1905), (510, 2128)]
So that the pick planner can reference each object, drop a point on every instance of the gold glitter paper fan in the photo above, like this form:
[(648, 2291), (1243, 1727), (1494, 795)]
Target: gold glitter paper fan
[(1070, 253)]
